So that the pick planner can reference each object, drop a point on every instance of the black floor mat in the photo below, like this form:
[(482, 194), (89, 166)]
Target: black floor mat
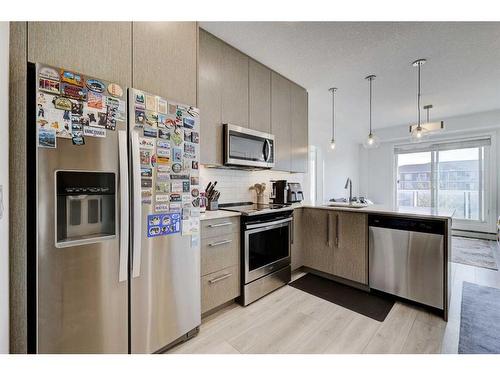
[(373, 306)]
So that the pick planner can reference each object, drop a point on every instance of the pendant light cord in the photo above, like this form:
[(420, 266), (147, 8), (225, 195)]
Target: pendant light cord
[(370, 80), (333, 114), (418, 96)]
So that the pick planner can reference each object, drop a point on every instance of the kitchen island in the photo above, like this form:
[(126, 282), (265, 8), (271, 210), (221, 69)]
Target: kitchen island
[(401, 252)]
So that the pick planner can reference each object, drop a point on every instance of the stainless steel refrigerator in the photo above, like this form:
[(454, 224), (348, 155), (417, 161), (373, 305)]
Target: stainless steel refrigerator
[(110, 269)]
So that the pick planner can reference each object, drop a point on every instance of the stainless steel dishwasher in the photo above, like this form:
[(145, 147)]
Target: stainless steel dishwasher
[(407, 258)]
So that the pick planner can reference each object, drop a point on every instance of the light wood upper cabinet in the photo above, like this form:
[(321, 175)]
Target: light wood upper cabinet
[(351, 250), (210, 98), (234, 86), (100, 49), (281, 121), (165, 59), (259, 97), (299, 133)]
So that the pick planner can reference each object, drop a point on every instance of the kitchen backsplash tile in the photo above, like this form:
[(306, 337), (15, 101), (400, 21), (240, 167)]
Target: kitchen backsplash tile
[(234, 185)]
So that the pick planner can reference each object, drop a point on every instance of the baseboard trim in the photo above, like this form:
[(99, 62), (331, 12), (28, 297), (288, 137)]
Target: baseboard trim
[(474, 234)]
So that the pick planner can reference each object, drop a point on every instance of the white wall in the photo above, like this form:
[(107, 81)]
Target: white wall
[(333, 167), (377, 165), (4, 184)]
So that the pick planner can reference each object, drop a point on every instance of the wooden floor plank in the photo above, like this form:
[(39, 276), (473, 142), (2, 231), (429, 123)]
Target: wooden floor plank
[(424, 339)]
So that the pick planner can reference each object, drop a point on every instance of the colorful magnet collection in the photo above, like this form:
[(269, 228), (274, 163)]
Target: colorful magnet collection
[(73, 106), (168, 151)]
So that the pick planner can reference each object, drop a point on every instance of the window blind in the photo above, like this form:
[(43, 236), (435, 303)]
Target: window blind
[(443, 145)]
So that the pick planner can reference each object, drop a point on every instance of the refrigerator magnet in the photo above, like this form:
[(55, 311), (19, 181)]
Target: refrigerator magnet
[(91, 131), (150, 132), (77, 108), (162, 187), (172, 109), (177, 137), (71, 78), (162, 120), (146, 143), (176, 167), (163, 143), (146, 172), (74, 92), (47, 137), (188, 122), (164, 134), (78, 140), (139, 99), (150, 102), (162, 207), (162, 105), (94, 85), (49, 85), (175, 206), (48, 72), (151, 118), (162, 198), (95, 100), (62, 103), (140, 116), (115, 90), (193, 112), (162, 176), (146, 183), (176, 187), (177, 155), (163, 152)]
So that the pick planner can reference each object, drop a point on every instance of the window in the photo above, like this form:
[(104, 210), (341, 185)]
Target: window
[(448, 175)]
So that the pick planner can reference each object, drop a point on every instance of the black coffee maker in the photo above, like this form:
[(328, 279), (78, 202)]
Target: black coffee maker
[(279, 194)]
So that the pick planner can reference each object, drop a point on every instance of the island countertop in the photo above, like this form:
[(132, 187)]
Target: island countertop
[(417, 212)]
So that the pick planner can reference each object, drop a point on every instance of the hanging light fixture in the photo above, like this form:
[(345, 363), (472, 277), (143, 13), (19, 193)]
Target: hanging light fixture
[(332, 142), (372, 140), (418, 131)]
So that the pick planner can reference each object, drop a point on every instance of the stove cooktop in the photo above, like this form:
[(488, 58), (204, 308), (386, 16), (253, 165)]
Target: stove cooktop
[(249, 208)]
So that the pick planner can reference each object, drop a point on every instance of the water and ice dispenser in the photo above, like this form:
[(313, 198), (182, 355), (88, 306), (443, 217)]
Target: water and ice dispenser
[(86, 207)]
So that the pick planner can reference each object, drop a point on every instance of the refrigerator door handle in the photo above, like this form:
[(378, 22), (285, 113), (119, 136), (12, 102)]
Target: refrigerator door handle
[(137, 208), (124, 206)]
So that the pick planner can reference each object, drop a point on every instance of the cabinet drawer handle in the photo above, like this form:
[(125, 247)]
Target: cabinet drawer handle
[(223, 242), (220, 225), (220, 278)]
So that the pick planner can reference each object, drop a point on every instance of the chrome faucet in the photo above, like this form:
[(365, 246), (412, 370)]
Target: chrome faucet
[(349, 183)]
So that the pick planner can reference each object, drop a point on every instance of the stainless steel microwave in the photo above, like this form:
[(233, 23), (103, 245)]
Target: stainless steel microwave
[(247, 147)]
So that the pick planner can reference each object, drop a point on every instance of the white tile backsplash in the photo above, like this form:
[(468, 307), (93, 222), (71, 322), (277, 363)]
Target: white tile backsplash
[(234, 185)]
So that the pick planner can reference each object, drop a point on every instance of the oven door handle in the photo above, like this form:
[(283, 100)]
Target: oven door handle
[(269, 223)]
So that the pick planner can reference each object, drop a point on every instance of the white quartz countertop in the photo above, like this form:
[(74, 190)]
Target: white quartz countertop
[(219, 214), (380, 209)]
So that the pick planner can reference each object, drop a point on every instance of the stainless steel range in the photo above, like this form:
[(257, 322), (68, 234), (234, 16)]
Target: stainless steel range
[(266, 234)]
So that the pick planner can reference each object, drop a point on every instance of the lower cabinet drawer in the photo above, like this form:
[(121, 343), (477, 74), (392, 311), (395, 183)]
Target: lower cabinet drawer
[(219, 287), (219, 252)]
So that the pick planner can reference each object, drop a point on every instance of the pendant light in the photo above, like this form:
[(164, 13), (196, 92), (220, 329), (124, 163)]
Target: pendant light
[(372, 140), (332, 142), (418, 132)]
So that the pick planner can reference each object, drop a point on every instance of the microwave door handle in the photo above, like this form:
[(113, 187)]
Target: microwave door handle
[(267, 150), (124, 205), (137, 209)]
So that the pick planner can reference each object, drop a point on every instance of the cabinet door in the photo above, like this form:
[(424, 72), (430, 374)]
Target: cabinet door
[(209, 98), (100, 49), (234, 86), (318, 238), (299, 141), (259, 96), (165, 59), (281, 121), (351, 246)]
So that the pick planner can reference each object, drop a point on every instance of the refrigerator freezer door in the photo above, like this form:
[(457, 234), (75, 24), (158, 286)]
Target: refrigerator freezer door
[(165, 297), (81, 302)]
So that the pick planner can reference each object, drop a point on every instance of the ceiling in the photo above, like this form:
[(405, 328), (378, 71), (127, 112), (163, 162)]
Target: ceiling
[(462, 73)]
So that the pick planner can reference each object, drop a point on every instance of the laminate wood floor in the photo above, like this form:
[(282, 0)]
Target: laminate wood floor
[(292, 321)]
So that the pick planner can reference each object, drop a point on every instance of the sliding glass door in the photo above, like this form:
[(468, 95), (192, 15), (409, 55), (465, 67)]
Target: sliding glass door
[(449, 176)]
